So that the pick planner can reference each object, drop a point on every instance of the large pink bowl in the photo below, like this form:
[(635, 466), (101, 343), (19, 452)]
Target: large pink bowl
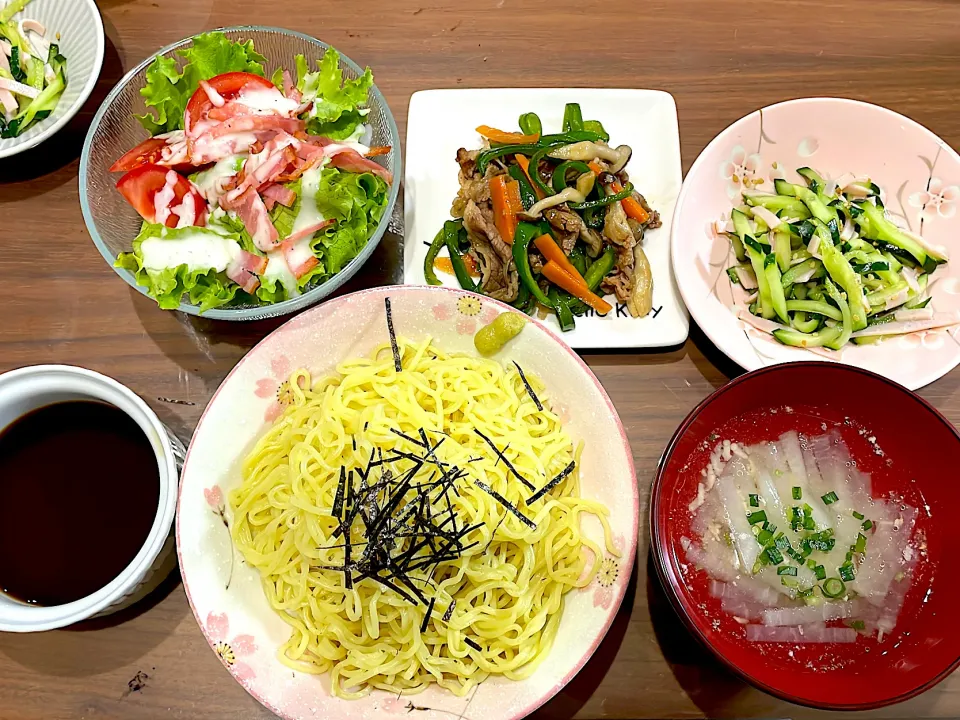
[(226, 595), (918, 173)]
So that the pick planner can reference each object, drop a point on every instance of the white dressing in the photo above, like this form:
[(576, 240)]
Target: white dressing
[(268, 100), (278, 270), (210, 182), (199, 250), (309, 215)]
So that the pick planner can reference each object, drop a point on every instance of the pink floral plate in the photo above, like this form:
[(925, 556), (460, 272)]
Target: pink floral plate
[(918, 174), (225, 594)]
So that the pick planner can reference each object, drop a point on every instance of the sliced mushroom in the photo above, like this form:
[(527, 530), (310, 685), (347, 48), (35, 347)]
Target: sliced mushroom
[(615, 226), (585, 152), (593, 241), (571, 194), (641, 294)]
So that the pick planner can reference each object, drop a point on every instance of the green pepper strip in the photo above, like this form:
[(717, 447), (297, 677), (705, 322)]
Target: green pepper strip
[(562, 309), (534, 169), (429, 273), (596, 127), (546, 141), (625, 193), (521, 258), (578, 259), (593, 219), (559, 179), (572, 117), (530, 124), (527, 196), (451, 229), (595, 274), (523, 297)]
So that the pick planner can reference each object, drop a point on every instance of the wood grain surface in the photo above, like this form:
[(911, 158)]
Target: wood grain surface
[(720, 59)]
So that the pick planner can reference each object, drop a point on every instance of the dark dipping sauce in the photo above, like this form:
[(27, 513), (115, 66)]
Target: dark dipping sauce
[(79, 490)]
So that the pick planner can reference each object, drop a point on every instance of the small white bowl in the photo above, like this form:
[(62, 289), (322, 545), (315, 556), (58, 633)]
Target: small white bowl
[(28, 388), (81, 43)]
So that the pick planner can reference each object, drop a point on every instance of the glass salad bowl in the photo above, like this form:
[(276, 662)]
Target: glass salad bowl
[(113, 224)]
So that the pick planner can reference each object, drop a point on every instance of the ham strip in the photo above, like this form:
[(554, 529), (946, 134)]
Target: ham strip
[(309, 232), (254, 123), (245, 270), (253, 213)]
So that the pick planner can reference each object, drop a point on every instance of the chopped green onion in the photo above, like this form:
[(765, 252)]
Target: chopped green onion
[(797, 493), (755, 502), (795, 555), (868, 524), (811, 563), (830, 498), (808, 521), (770, 526), (858, 516), (861, 545), (787, 570), (846, 572), (833, 587), (857, 624), (805, 593), (773, 555), (796, 518), (764, 537), (789, 582), (850, 554), (757, 517), (820, 572), (782, 542)]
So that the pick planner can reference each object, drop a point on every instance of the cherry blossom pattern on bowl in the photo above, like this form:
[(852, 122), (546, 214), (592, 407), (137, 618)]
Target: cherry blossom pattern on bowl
[(919, 177), (226, 596)]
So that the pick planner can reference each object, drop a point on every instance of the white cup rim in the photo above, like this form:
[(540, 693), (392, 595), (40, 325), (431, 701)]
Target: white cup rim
[(69, 378)]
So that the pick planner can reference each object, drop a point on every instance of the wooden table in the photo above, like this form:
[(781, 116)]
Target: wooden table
[(721, 60)]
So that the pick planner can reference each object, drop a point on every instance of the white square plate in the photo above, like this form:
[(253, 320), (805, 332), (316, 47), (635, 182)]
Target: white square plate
[(442, 121)]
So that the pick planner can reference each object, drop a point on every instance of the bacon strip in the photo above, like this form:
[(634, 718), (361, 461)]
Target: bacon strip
[(245, 270), (252, 123), (290, 88), (279, 194), (253, 213), (309, 231), (352, 161)]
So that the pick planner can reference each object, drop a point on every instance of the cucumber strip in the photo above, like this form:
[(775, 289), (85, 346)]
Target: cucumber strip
[(738, 248), (785, 205), (879, 298), (847, 326), (843, 274), (814, 306), (781, 247), (756, 260), (775, 288), (875, 226), (807, 340), (802, 271), (814, 181), (818, 209), (871, 339), (801, 323)]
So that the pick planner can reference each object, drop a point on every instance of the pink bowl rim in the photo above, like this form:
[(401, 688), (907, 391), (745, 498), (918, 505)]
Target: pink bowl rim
[(667, 572), (675, 257), (630, 552)]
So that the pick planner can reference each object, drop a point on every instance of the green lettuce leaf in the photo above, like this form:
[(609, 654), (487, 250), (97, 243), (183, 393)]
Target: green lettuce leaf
[(284, 217), (356, 202), (169, 87), (336, 102), (206, 288)]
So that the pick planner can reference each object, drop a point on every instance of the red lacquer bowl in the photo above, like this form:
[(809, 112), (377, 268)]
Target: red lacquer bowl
[(910, 450)]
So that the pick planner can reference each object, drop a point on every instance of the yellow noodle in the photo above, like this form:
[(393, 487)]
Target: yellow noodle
[(508, 589)]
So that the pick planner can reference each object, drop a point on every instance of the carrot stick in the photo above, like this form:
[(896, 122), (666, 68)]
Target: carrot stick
[(378, 150), (513, 197), (503, 215), (555, 274), (445, 264), (597, 170), (501, 136), (630, 206), (525, 166), (552, 252)]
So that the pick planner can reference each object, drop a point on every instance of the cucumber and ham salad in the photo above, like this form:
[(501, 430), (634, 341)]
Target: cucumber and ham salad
[(251, 189), (33, 73), (824, 265)]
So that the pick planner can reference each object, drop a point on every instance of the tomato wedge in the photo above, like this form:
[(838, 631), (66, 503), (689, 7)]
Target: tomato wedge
[(228, 86), (148, 152), (141, 185)]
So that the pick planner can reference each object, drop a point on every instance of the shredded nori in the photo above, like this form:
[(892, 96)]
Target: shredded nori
[(506, 462), (472, 643), (426, 616), (526, 384), (449, 611), (506, 503), (552, 484), (393, 336)]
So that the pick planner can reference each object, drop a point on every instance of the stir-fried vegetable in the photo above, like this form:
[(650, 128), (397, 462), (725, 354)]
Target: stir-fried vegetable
[(33, 73), (827, 265), (552, 221)]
